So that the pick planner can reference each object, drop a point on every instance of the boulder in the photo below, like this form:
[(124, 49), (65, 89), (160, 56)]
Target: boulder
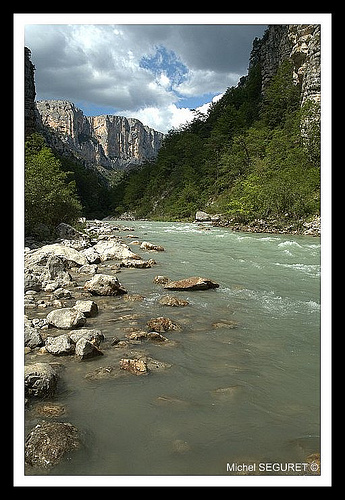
[(88, 269), (85, 348), (55, 276), (40, 380), (193, 283), (46, 267), (87, 307), (66, 318), (160, 280), (69, 256), (32, 336), (201, 216), (103, 284), (48, 442), (114, 249), (91, 255), (150, 246), (61, 293), (93, 335), (60, 345)]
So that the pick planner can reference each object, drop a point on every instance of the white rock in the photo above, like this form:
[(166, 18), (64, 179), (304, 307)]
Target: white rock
[(66, 318)]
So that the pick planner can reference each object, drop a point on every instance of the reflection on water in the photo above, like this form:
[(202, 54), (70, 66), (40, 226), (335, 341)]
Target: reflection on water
[(243, 384)]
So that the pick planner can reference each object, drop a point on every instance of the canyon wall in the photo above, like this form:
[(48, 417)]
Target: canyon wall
[(299, 42), (108, 141)]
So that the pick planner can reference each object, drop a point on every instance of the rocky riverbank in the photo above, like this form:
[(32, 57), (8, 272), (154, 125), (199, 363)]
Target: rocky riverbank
[(310, 227), (66, 285)]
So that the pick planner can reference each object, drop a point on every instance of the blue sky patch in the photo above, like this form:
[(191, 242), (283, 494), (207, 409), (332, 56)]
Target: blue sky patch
[(166, 62)]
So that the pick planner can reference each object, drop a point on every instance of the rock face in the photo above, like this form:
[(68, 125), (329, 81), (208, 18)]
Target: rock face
[(106, 141), (299, 42), (30, 117)]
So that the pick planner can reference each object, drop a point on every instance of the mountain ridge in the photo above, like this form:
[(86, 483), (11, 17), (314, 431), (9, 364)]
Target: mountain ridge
[(110, 142)]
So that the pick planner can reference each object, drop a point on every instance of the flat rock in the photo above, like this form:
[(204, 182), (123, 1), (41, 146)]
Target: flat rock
[(193, 283)]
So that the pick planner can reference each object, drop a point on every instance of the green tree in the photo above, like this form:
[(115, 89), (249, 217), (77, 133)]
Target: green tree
[(49, 197), (281, 97)]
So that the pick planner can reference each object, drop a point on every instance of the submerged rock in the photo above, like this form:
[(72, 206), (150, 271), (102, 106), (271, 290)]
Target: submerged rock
[(48, 442), (193, 283), (137, 263), (160, 280), (169, 300), (162, 324), (134, 366)]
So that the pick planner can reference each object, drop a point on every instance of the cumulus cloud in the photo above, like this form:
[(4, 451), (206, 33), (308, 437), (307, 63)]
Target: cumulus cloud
[(141, 71), (162, 118)]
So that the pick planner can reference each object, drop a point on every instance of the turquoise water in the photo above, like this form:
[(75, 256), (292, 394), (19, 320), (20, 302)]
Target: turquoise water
[(232, 395)]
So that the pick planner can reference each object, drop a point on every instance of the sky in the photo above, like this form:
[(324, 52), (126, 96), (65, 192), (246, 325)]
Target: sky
[(156, 73)]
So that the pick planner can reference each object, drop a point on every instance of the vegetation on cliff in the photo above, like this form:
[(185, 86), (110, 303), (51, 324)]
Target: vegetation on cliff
[(50, 198)]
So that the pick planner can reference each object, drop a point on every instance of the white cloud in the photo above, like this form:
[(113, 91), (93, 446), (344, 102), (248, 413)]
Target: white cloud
[(202, 82), (161, 118), (167, 118), (205, 107)]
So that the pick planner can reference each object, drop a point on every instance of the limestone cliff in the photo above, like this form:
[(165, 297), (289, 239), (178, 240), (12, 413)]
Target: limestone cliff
[(106, 141), (299, 42)]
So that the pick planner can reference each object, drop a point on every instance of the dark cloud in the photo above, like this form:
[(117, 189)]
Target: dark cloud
[(128, 67), (219, 48)]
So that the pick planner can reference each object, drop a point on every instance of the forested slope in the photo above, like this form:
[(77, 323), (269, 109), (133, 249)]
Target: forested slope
[(245, 159)]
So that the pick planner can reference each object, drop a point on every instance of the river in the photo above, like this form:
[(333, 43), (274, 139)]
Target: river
[(244, 381)]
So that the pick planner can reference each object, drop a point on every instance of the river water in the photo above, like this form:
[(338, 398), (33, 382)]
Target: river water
[(244, 381)]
